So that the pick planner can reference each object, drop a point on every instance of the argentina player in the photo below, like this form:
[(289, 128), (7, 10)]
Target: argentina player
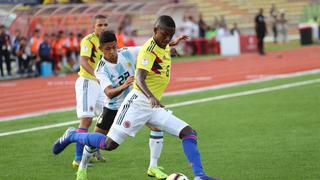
[(115, 73)]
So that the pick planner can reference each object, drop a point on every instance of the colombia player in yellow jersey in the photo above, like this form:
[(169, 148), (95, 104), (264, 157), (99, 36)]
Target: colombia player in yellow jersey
[(142, 105), (89, 96)]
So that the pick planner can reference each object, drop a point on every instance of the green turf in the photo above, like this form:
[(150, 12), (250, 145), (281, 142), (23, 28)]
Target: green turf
[(264, 136), (282, 46), (269, 47)]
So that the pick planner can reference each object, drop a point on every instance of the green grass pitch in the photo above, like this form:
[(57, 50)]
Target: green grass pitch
[(267, 136)]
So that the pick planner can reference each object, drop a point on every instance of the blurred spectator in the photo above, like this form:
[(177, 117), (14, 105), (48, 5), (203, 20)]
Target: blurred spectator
[(57, 51), (5, 49), (274, 22), (44, 54), (191, 29), (120, 37), (71, 45), (34, 44), (15, 41), (130, 39), (215, 24), (261, 30), (78, 38), (222, 32), (202, 27), (23, 53), (222, 21), (126, 24), (235, 30), (283, 27)]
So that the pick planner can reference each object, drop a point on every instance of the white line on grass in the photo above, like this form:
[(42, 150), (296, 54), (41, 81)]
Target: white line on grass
[(181, 92), (185, 103)]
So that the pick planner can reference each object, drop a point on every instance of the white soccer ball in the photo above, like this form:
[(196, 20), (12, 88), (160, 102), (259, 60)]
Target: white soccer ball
[(177, 176)]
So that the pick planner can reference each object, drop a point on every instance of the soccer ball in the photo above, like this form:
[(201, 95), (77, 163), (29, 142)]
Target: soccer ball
[(177, 176)]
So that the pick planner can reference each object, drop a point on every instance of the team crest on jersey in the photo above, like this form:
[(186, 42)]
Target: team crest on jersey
[(144, 62), (85, 48), (126, 124)]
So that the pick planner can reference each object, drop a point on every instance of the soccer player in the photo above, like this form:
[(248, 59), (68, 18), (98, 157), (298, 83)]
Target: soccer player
[(89, 96), (142, 105), (115, 73)]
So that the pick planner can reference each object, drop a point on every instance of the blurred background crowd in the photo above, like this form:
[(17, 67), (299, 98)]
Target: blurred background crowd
[(50, 31)]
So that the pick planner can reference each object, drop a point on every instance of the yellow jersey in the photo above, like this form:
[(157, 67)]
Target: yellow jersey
[(89, 47), (157, 62)]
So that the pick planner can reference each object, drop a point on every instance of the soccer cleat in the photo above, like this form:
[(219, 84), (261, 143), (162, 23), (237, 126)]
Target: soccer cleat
[(82, 174), (63, 141), (205, 177), (98, 157), (157, 172), (75, 164)]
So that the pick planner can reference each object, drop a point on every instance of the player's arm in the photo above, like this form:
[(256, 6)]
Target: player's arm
[(84, 63), (105, 83), (112, 92), (134, 51), (85, 54), (141, 83), (177, 41)]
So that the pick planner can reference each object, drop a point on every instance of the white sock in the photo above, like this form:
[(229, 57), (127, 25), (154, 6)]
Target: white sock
[(86, 155), (155, 145)]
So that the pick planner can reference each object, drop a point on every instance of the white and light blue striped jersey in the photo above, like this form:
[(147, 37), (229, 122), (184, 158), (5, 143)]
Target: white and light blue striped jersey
[(116, 74)]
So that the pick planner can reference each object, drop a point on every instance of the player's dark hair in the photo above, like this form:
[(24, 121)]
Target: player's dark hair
[(107, 36), (100, 16), (165, 21)]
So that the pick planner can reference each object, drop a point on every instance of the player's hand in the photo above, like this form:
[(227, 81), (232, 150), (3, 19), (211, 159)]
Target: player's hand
[(182, 38), (129, 81), (155, 103), (177, 41)]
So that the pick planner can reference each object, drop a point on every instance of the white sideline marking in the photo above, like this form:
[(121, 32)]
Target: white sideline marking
[(185, 103), (244, 93), (246, 82), (204, 78), (181, 92)]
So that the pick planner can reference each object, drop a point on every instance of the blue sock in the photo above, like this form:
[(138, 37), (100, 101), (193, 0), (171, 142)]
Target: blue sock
[(96, 140), (79, 147), (189, 144)]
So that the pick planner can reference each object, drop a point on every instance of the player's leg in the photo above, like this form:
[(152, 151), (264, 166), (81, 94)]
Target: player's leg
[(86, 96), (165, 120), (96, 140), (104, 122), (103, 125), (155, 145), (129, 120)]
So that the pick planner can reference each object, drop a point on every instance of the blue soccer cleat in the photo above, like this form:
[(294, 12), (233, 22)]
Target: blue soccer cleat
[(205, 177), (63, 141)]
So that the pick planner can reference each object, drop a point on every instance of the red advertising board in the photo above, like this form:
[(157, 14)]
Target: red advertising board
[(248, 43)]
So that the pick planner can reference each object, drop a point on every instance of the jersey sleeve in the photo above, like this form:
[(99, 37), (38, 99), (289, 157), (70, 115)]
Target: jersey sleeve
[(134, 51), (86, 48), (145, 60), (102, 76)]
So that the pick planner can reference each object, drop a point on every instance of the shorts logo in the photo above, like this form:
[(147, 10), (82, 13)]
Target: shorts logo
[(144, 62), (126, 124), (91, 109)]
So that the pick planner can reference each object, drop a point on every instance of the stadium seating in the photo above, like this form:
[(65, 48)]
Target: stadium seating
[(77, 17)]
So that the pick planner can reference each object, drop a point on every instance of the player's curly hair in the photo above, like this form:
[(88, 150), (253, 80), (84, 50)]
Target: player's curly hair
[(107, 36), (165, 21)]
